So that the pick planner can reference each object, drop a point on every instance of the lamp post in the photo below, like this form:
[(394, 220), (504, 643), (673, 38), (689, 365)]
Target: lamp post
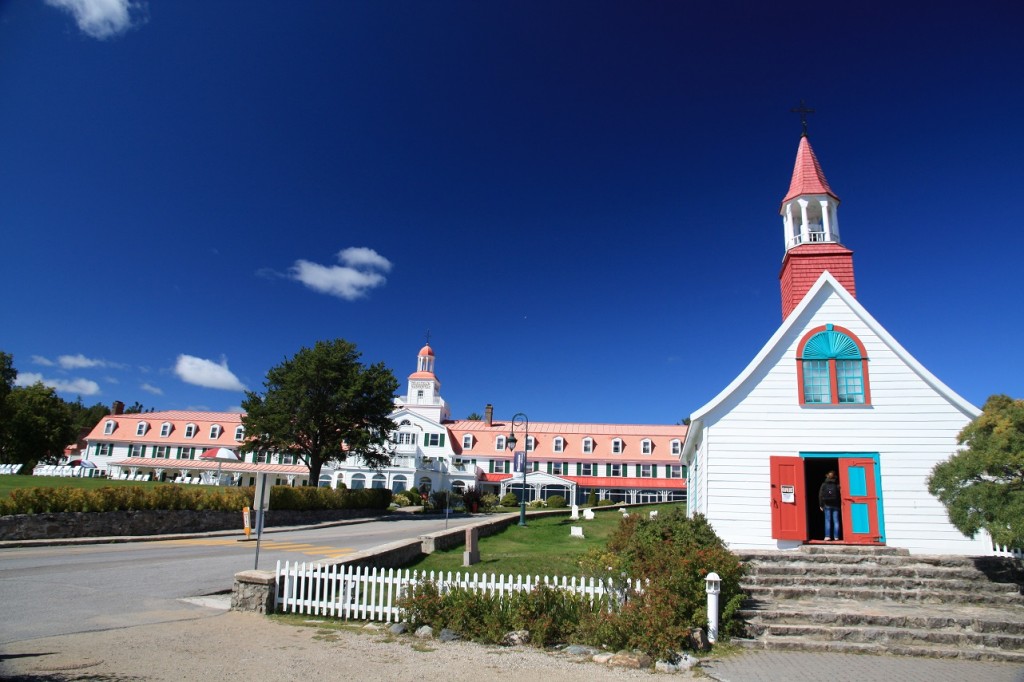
[(520, 418)]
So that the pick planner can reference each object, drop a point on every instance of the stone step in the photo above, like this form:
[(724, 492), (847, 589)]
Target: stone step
[(997, 623), (804, 644), (907, 571), (776, 593), (968, 587), (890, 635), (842, 558)]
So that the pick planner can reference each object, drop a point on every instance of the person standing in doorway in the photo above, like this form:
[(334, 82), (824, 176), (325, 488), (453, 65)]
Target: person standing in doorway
[(828, 502)]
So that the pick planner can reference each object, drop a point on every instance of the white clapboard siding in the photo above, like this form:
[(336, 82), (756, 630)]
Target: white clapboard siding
[(362, 593)]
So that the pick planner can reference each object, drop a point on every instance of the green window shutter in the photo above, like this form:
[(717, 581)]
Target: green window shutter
[(549, 467), (490, 467), (441, 442), (426, 439), (607, 469), (579, 468)]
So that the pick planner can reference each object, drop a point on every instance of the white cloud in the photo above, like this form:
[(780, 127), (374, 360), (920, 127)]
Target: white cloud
[(356, 256), (207, 373), (100, 19), (360, 271), (79, 362), (40, 360), (150, 388), (77, 386)]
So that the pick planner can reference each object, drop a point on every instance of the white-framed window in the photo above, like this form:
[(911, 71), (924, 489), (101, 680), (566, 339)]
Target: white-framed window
[(379, 481), (103, 449), (109, 427), (558, 468), (137, 450), (187, 453), (141, 429), (646, 446), (358, 481), (239, 433), (432, 440), (404, 438), (261, 457), (216, 430), (499, 443), (588, 445), (558, 444), (287, 458), (615, 470), (160, 452), (646, 471), (677, 447), (190, 430), (675, 471), (588, 469), (467, 441), (165, 429), (616, 446), (531, 443), (398, 483), (500, 466)]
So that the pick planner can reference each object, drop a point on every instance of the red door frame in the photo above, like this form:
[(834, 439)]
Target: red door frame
[(859, 501), (789, 512)]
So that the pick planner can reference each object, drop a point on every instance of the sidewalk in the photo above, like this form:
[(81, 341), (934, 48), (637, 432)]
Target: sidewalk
[(797, 666)]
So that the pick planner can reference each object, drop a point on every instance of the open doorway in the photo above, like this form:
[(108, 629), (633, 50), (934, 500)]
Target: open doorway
[(815, 469)]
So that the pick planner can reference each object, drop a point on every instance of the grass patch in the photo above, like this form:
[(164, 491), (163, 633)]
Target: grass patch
[(543, 547), (18, 482)]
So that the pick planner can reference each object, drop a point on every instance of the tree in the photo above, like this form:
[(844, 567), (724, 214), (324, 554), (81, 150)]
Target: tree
[(982, 485), (138, 408), (38, 426), (323, 405), (83, 417), (7, 375), (474, 417)]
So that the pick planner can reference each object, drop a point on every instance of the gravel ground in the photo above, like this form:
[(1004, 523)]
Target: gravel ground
[(227, 646)]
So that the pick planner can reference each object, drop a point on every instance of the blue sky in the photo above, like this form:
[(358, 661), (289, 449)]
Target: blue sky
[(579, 200)]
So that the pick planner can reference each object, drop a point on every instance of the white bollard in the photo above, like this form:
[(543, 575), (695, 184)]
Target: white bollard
[(714, 586)]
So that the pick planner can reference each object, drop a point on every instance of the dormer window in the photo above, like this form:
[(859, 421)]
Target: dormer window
[(531, 443), (215, 431), (646, 447), (499, 443), (588, 445), (558, 444), (141, 429), (239, 433), (165, 429), (617, 446), (467, 442), (677, 447), (190, 430), (109, 427), (832, 368)]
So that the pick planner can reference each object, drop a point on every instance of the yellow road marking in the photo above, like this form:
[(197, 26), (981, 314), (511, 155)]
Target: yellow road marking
[(297, 547)]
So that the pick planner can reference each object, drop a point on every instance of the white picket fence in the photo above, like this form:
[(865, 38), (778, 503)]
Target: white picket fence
[(1007, 551), (362, 593)]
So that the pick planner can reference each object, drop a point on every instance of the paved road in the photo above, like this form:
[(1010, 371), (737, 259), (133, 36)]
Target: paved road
[(59, 590)]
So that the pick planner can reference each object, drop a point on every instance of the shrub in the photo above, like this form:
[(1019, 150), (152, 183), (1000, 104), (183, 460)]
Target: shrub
[(555, 502), (605, 503), (672, 555), (488, 501), (172, 497), (472, 497), (510, 500), (592, 498), (536, 504)]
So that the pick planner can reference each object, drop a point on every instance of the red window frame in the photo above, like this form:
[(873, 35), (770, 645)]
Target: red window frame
[(833, 377)]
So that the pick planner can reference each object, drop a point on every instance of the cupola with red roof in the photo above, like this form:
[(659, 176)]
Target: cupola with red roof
[(811, 228), (425, 388)]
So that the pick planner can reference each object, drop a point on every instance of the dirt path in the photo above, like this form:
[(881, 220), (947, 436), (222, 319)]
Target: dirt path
[(229, 646)]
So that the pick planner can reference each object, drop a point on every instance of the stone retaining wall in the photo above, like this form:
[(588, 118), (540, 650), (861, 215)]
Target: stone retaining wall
[(155, 522)]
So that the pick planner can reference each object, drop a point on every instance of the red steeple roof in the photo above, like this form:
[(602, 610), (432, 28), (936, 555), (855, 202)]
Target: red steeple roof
[(808, 177)]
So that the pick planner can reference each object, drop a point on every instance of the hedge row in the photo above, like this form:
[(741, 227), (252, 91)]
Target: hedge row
[(132, 498)]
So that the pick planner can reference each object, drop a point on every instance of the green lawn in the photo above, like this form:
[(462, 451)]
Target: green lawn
[(543, 547)]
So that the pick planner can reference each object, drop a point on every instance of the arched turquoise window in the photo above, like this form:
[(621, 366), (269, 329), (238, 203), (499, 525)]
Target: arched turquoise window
[(832, 368)]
